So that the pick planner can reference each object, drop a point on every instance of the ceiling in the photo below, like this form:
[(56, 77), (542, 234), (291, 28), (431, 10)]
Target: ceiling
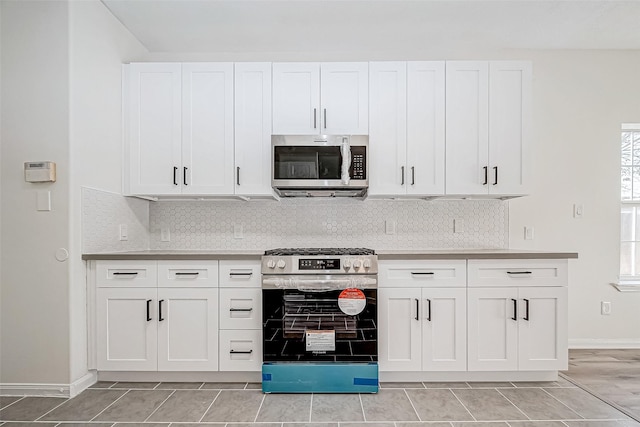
[(353, 25)]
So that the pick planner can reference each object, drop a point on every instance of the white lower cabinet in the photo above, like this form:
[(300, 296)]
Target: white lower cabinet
[(422, 329), (514, 329), (166, 323), (241, 350)]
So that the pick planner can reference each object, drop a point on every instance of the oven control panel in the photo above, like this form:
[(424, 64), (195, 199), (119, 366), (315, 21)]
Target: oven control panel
[(319, 264)]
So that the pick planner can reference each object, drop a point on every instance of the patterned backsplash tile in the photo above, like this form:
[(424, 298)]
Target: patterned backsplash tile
[(259, 225)]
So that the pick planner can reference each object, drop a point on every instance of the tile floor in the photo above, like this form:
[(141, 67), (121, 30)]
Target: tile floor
[(106, 404)]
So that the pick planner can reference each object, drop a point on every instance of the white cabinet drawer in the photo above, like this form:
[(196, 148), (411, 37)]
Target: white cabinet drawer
[(240, 273), (124, 274), (240, 308), (188, 274), (426, 273), (241, 350), (516, 272)]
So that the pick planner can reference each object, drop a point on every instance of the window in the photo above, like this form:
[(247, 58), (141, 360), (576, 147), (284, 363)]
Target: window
[(630, 203)]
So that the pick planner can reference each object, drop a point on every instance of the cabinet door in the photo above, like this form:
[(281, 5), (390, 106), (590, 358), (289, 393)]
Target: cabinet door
[(296, 98), (542, 329), (509, 126), (187, 329), (207, 128), (152, 106), (399, 338), (344, 98), (253, 129), (425, 128), (126, 329), (492, 330), (241, 350), (444, 329), (388, 129), (467, 133)]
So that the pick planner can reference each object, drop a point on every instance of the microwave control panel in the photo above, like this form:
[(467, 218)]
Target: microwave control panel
[(358, 166)]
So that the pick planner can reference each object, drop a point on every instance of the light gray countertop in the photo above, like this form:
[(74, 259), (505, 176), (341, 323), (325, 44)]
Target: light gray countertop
[(382, 255)]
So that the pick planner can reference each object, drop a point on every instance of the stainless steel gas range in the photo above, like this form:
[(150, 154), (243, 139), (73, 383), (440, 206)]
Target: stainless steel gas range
[(319, 309)]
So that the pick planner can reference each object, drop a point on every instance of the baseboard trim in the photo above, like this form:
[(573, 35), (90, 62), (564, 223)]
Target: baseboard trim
[(50, 390), (595, 343)]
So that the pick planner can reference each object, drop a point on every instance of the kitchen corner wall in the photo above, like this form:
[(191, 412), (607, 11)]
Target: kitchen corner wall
[(420, 224)]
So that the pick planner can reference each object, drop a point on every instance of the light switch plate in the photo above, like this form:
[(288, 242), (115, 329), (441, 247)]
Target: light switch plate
[(165, 234), (528, 233), (390, 227), (124, 232), (578, 210), (458, 225)]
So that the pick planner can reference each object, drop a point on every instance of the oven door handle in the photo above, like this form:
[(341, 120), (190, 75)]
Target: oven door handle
[(346, 160)]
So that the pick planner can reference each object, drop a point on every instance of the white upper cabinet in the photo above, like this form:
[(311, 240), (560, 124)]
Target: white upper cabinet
[(179, 128), (406, 138), (207, 128), (253, 129), (313, 98), (153, 120), (487, 127)]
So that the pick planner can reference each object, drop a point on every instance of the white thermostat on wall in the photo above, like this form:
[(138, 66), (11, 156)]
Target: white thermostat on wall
[(40, 171)]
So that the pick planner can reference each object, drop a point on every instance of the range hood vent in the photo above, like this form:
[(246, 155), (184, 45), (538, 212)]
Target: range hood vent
[(324, 192)]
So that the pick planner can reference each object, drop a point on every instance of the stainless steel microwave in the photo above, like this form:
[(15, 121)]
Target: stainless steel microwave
[(320, 165)]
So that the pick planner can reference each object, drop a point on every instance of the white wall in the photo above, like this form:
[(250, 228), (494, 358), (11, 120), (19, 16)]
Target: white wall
[(35, 111), (99, 44)]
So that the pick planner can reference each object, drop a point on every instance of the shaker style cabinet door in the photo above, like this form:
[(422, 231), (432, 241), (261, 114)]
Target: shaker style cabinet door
[(207, 129), (253, 129), (126, 329), (344, 98), (296, 98), (152, 114), (399, 340), (388, 128), (187, 329)]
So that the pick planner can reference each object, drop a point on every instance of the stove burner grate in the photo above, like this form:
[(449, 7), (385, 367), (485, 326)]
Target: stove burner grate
[(319, 251)]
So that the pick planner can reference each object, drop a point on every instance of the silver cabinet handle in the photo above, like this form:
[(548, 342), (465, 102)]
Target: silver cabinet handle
[(401, 175), (314, 118), (325, 118)]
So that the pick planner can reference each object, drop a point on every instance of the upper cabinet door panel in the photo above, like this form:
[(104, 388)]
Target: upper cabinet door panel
[(296, 98), (153, 131), (253, 128), (388, 129), (207, 128), (509, 126), (425, 127), (467, 118), (344, 95)]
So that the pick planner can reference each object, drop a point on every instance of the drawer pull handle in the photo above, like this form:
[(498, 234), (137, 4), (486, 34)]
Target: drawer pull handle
[(515, 309), (249, 274), (241, 309), (423, 273), (148, 310), (125, 273), (526, 309), (429, 310), (241, 352), (160, 318), (187, 273), (417, 309), (519, 272)]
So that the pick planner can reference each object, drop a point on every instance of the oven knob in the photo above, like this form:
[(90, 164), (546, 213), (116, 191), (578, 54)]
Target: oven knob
[(366, 263), (281, 263), (271, 264), (357, 263), (347, 264)]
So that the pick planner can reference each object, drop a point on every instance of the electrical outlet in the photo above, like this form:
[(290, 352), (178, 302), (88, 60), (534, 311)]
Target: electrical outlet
[(578, 210), (528, 233), (390, 227), (124, 232), (165, 234), (237, 231), (605, 308), (458, 226)]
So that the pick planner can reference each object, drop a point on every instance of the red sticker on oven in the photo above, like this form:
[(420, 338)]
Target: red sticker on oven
[(352, 301)]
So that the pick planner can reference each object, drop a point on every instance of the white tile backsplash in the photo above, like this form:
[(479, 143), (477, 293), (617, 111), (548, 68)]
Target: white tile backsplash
[(420, 224), (103, 213)]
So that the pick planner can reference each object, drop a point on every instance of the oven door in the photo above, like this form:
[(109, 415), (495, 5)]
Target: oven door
[(320, 325)]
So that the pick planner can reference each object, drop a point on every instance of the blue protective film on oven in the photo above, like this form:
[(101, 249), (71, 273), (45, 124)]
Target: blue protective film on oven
[(320, 377)]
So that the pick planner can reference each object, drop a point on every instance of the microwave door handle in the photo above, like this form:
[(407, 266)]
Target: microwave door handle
[(346, 160)]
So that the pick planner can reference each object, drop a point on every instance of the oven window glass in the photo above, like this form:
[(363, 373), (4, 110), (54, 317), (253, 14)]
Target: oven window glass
[(298, 162), (289, 314)]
